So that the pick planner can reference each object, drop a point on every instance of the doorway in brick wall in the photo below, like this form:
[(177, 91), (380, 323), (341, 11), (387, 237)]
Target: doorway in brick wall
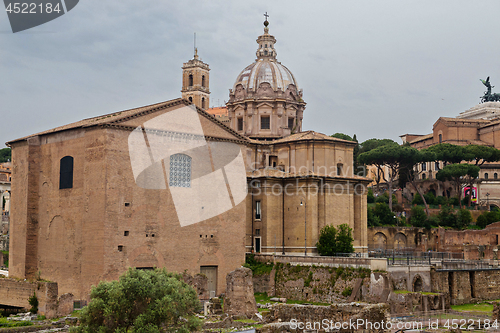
[(211, 274)]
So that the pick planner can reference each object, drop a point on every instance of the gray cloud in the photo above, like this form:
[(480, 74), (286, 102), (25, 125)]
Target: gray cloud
[(374, 68)]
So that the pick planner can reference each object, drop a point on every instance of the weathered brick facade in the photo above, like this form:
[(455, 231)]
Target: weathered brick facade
[(106, 223)]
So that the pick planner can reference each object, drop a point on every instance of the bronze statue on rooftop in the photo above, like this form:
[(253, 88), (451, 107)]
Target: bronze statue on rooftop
[(488, 96)]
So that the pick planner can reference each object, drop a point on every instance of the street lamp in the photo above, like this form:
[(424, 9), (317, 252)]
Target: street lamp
[(303, 202)]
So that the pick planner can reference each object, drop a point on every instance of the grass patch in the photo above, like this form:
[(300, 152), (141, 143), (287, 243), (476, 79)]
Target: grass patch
[(11, 323), (481, 307), (5, 258), (262, 298), (247, 321), (257, 267)]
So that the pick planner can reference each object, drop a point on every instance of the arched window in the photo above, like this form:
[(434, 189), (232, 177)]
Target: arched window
[(495, 175), (436, 166), (340, 166), (66, 172), (203, 102), (190, 80), (424, 166), (486, 175), (440, 138), (191, 99), (423, 176), (180, 171), (203, 81)]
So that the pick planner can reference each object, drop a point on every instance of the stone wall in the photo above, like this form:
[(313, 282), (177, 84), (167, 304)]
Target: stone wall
[(411, 278), (336, 313), (16, 293), (261, 283), (405, 303), (389, 238), (239, 298), (198, 282), (318, 284), (467, 286)]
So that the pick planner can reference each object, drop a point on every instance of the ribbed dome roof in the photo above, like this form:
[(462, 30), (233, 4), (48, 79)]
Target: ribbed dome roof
[(265, 70)]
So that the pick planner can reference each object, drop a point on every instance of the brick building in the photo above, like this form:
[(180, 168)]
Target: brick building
[(479, 125), (92, 198)]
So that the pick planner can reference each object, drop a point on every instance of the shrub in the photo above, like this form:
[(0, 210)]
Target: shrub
[(141, 301), (447, 217), (482, 221), (384, 214), (347, 292), (418, 217), (370, 198), (454, 201), (440, 200), (335, 240), (382, 199), (372, 219), (464, 218), (257, 267), (33, 301), (417, 200), (430, 198)]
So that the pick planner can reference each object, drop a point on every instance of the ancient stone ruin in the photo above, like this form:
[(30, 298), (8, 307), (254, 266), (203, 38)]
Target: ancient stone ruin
[(240, 298)]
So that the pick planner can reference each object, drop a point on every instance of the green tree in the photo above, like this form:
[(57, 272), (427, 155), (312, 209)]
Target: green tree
[(366, 146), (335, 240), (370, 198), (447, 217), (5, 155), (447, 153), (384, 214), (327, 241), (344, 239), (418, 217), (141, 301), (464, 218), (342, 136), (459, 174), (370, 144), (372, 219)]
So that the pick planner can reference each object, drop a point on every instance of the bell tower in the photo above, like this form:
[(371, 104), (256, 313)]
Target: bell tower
[(195, 82)]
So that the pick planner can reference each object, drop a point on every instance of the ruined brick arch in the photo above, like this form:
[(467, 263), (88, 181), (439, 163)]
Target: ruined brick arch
[(400, 241), (418, 284), (380, 241)]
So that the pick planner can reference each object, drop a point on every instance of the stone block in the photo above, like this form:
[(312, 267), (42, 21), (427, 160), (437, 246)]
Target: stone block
[(240, 298)]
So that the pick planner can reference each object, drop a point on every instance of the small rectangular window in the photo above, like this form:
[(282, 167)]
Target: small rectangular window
[(265, 122), (257, 210), (240, 124), (290, 123)]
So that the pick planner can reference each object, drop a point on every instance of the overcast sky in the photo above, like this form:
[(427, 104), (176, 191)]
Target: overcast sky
[(375, 68)]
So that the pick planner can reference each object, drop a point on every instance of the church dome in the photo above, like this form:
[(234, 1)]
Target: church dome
[(266, 69)]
